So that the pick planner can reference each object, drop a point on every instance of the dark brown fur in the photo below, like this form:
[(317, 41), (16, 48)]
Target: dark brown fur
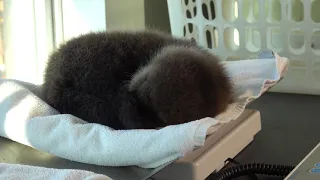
[(133, 80)]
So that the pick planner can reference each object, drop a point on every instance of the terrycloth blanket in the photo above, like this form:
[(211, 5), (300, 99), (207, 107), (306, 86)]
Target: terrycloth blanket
[(24, 172), (27, 119)]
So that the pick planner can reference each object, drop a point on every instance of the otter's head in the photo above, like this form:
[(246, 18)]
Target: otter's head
[(182, 84)]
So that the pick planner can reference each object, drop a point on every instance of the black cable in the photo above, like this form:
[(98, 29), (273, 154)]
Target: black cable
[(251, 175), (231, 161), (252, 168)]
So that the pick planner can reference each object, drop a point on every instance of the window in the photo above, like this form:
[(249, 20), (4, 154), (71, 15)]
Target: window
[(2, 67), (32, 29)]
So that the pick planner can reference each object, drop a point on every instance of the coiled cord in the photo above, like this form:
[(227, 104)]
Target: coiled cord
[(252, 168)]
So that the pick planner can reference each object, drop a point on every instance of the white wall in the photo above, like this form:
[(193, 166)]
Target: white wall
[(137, 14), (125, 14)]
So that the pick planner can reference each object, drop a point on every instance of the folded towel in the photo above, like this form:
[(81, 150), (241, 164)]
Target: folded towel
[(27, 119), (17, 171), (252, 78)]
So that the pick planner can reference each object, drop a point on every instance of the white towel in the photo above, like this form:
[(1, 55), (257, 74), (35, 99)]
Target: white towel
[(24, 172), (252, 78), (26, 119)]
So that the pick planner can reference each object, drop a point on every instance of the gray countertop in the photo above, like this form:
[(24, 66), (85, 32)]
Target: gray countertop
[(290, 130)]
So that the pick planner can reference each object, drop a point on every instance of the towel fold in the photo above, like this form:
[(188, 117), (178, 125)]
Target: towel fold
[(27, 119), (252, 78), (17, 171)]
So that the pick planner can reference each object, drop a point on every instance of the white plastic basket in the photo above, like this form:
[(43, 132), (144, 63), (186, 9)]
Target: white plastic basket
[(240, 29)]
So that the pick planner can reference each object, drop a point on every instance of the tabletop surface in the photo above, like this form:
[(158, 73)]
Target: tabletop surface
[(290, 130)]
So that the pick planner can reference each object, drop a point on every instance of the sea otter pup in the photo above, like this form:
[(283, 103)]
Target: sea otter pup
[(135, 80)]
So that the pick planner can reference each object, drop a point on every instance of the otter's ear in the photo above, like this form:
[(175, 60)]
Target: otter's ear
[(139, 78)]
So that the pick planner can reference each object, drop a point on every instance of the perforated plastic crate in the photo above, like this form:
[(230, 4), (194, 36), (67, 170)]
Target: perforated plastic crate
[(239, 29)]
